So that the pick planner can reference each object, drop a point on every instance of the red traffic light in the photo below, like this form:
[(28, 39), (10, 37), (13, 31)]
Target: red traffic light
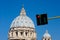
[(41, 19), (38, 16)]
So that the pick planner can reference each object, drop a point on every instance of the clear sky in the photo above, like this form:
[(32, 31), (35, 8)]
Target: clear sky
[(10, 9)]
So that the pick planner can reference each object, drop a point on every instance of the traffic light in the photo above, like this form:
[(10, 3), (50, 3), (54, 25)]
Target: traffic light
[(42, 19)]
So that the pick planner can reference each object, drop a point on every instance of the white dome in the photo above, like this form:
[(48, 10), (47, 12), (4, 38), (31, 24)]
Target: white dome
[(46, 34), (22, 20)]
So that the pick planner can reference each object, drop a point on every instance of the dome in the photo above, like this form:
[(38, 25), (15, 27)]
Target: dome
[(22, 20), (46, 34)]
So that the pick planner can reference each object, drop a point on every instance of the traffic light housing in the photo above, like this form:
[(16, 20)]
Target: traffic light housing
[(41, 19)]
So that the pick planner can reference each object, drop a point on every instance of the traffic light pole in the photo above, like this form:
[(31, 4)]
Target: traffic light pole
[(55, 17)]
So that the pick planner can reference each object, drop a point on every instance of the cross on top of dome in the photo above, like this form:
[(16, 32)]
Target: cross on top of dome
[(23, 13), (46, 31)]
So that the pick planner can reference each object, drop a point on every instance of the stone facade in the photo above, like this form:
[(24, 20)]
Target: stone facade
[(22, 33)]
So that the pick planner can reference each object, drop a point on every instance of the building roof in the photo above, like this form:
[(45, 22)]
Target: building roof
[(46, 34), (22, 20)]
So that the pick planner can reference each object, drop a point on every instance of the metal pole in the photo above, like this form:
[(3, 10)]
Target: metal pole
[(55, 17)]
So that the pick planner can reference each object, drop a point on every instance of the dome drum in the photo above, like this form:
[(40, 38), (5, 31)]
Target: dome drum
[(30, 33)]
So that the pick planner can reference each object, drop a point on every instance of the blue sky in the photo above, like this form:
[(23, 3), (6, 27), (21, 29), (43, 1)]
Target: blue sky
[(10, 9)]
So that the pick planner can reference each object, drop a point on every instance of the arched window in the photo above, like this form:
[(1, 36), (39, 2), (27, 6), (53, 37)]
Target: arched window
[(45, 38), (21, 33), (49, 39), (16, 33), (26, 33)]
